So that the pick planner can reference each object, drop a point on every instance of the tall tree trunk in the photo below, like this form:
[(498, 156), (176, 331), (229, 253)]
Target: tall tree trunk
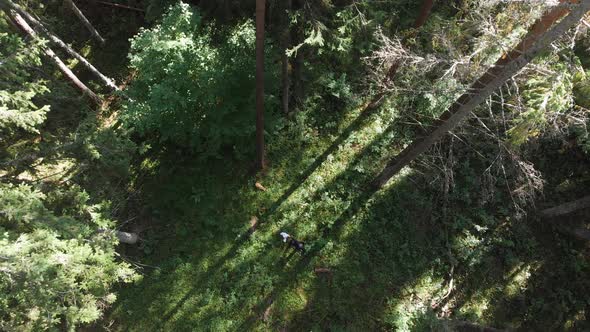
[(298, 65), (424, 12), (108, 82), (24, 26), (85, 21), (538, 38), (260, 9), (285, 59)]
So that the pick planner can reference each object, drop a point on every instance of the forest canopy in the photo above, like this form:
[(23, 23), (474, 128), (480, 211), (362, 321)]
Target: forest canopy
[(294, 165), (189, 86)]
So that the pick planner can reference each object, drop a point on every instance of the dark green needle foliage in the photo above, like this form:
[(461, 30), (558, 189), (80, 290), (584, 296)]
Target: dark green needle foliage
[(194, 84)]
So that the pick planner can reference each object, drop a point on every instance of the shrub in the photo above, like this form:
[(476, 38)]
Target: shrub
[(54, 268), (194, 85)]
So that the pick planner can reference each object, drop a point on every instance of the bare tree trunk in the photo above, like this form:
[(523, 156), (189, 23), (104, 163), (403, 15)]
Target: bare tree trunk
[(507, 66), (298, 65), (260, 9), (108, 82), (85, 21), (24, 26), (123, 237), (566, 208), (424, 12), (285, 59), (128, 238), (119, 6)]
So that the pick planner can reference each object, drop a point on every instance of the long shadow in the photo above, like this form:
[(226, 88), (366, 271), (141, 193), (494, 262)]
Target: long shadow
[(555, 294), (369, 109), (217, 269), (297, 270), (267, 215), (329, 231), (372, 268)]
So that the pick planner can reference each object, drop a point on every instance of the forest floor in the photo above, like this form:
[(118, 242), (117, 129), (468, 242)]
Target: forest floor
[(393, 264), (395, 261)]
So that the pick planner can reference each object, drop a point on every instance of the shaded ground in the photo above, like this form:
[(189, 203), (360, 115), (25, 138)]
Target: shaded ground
[(396, 264)]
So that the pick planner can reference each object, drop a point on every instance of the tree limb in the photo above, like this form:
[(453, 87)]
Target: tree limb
[(566, 208), (85, 21), (25, 28), (107, 81)]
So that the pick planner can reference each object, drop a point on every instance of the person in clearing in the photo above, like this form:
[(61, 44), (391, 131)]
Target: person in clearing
[(298, 246)]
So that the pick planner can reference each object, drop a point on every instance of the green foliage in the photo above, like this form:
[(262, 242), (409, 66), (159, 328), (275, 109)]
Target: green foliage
[(194, 86), (543, 98), (55, 269), (581, 93), (17, 88)]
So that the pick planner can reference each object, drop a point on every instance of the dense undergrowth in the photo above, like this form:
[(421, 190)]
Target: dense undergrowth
[(390, 253), (447, 240)]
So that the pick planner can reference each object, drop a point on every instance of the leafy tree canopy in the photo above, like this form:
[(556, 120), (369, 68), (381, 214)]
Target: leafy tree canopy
[(195, 84)]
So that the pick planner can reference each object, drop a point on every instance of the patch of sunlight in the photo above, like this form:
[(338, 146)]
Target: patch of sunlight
[(86, 50), (289, 303), (518, 278), (340, 160), (149, 164), (470, 246), (72, 63), (580, 316), (59, 171), (302, 205), (402, 174), (478, 304), (413, 302)]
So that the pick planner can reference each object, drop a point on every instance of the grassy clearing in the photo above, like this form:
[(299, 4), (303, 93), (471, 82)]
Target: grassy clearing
[(392, 255)]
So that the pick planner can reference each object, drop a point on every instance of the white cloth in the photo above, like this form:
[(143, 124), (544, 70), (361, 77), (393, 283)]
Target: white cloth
[(285, 236)]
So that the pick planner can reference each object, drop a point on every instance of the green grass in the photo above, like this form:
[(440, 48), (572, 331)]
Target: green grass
[(390, 252)]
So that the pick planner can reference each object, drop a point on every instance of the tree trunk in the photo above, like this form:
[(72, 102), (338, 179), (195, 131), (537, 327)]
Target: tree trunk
[(285, 59), (507, 66), (128, 238), (123, 237), (424, 12), (566, 208), (85, 21), (108, 82), (119, 6), (298, 37), (260, 8), (24, 26)]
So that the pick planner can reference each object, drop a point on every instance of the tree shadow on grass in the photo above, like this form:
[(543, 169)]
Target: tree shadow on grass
[(234, 267), (367, 110)]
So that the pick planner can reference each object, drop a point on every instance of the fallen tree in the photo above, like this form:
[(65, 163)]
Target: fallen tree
[(540, 36), (26, 29), (123, 237), (85, 21), (56, 40), (566, 208)]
